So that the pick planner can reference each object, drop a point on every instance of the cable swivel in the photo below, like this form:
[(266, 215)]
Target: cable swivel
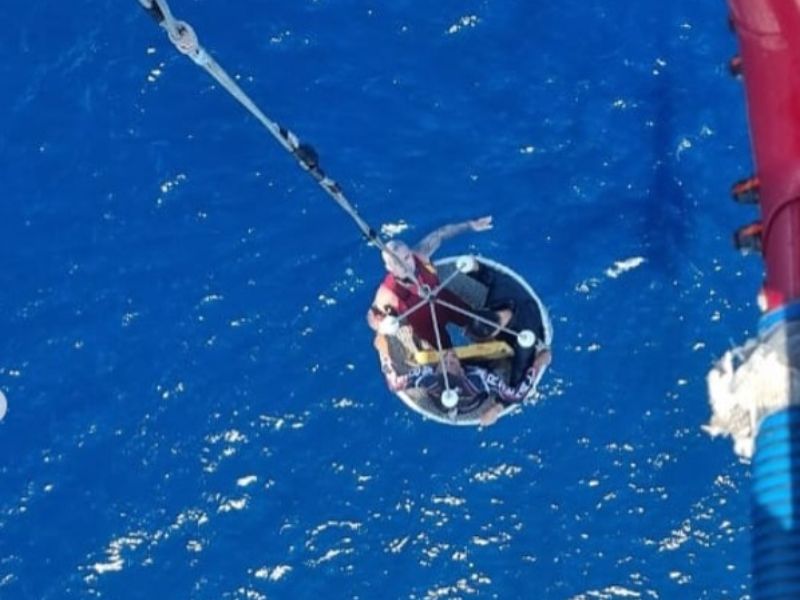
[(184, 38), (306, 154)]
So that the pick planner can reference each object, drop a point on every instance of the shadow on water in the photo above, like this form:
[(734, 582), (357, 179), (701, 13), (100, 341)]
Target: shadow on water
[(664, 219)]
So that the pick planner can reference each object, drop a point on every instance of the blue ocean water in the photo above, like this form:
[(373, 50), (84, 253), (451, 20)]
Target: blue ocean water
[(195, 408)]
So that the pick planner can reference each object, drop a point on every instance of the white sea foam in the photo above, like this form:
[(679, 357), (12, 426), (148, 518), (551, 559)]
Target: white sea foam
[(248, 594), (462, 23), (622, 266), (275, 573), (212, 298), (448, 500), (115, 561), (396, 546), (497, 472), (155, 73), (232, 504), (608, 593), (247, 480)]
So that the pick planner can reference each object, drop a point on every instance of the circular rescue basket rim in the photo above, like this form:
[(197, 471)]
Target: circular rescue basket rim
[(548, 338)]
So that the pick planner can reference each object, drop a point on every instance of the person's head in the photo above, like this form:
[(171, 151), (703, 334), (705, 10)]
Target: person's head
[(398, 259)]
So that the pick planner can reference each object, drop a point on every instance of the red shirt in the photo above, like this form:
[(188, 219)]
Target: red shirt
[(421, 320)]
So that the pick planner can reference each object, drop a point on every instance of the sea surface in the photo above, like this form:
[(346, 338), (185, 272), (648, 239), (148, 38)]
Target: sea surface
[(195, 410)]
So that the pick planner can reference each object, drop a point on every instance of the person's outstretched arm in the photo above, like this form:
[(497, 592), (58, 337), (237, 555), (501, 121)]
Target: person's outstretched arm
[(431, 242)]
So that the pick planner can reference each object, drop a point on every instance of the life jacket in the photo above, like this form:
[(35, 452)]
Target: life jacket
[(421, 320)]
